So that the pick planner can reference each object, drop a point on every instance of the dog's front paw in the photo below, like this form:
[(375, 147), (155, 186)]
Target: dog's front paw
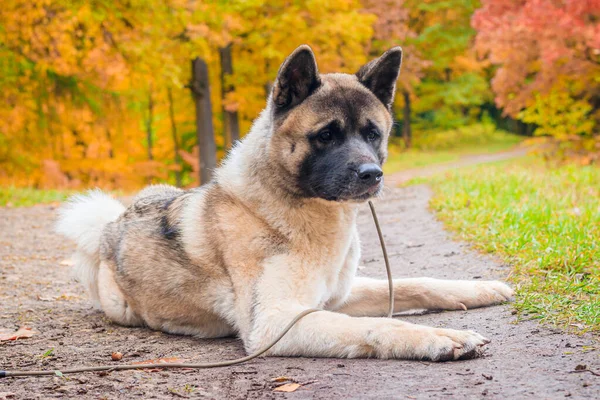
[(486, 293), (402, 340), (463, 295), (450, 344)]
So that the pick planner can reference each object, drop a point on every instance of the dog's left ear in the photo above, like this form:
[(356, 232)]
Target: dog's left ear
[(381, 74), (298, 77)]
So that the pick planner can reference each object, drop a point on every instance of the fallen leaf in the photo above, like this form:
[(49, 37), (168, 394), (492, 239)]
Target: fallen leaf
[(281, 379), (67, 263), (167, 360), (22, 333), (288, 387), (67, 297)]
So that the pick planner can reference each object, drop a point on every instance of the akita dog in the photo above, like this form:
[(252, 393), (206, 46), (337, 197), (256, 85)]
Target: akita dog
[(274, 234)]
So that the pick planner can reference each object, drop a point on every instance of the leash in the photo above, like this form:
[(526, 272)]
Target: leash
[(110, 368)]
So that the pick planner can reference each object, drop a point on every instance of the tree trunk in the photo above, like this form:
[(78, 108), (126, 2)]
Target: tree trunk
[(230, 118), (149, 122), (175, 138), (111, 153), (204, 126), (406, 128)]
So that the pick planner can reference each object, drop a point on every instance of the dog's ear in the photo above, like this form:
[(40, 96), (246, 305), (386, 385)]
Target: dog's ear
[(297, 78), (381, 74)]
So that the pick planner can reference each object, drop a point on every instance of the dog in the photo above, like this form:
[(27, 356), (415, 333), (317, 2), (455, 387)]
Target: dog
[(273, 234)]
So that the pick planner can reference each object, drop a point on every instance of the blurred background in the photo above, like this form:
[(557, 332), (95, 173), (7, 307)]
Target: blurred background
[(102, 92)]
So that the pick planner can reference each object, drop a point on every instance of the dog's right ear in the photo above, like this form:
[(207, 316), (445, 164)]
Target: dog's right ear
[(298, 78)]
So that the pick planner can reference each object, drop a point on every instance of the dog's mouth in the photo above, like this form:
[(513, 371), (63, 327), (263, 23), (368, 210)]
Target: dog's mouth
[(358, 195), (370, 192)]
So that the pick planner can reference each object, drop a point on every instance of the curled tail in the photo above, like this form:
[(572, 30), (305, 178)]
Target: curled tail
[(82, 218)]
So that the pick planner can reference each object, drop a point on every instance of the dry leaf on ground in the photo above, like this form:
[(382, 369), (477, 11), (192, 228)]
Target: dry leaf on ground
[(23, 333), (68, 297), (166, 360), (288, 387)]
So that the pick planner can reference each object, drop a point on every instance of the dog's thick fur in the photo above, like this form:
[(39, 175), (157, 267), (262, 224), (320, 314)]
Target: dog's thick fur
[(274, 234)]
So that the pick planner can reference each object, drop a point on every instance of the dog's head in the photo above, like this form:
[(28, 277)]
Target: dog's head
[(330, 131)]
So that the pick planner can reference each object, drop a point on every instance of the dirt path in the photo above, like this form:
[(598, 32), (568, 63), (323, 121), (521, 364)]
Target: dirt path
[(524, 360), (404, 176)]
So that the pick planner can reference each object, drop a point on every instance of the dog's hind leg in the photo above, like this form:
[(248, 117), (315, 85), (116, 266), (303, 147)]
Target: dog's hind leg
[(369, 297), (112, 300)]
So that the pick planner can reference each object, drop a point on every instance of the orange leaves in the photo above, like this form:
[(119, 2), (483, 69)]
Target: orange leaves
[(75, 79)]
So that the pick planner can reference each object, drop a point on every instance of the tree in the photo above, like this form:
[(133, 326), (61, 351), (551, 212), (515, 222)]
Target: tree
[(547, 54), (455, 83)]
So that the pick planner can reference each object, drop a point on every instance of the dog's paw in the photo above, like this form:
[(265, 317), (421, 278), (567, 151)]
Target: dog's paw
[(450, 344), (463, 295), (486, 293)]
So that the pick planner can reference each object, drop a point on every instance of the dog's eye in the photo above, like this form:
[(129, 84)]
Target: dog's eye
[(373, 135), (325, 136)]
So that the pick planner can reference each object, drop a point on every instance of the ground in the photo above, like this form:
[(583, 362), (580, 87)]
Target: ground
[(524, 360), (406, 175)]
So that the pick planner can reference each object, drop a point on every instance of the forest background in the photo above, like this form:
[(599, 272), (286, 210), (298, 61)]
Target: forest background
[(95, 92)]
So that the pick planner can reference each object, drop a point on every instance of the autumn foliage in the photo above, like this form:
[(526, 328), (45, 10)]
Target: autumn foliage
[(548, 58), (92, 93)]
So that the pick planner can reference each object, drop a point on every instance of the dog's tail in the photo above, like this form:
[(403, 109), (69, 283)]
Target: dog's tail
[(82, 219)]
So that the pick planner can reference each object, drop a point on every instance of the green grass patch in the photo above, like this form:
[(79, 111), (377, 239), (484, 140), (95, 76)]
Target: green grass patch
[(439, 147), (24, 197), (544, 221)]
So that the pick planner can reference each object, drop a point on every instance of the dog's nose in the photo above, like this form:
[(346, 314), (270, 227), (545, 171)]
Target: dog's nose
[(369, 174)]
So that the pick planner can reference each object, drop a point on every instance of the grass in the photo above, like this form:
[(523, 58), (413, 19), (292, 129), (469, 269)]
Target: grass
[(447, 146), (544, 221), (24, 197)]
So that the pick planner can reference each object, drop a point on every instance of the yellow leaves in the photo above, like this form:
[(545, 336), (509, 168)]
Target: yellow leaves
[(559, 115), (195, 31), (73, 95), (469, 63)]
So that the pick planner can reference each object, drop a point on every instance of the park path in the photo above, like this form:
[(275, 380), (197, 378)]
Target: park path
[(401, 177), (524, 360)]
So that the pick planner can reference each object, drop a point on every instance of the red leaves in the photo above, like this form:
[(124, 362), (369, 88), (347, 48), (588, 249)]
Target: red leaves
[(536, 43)]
